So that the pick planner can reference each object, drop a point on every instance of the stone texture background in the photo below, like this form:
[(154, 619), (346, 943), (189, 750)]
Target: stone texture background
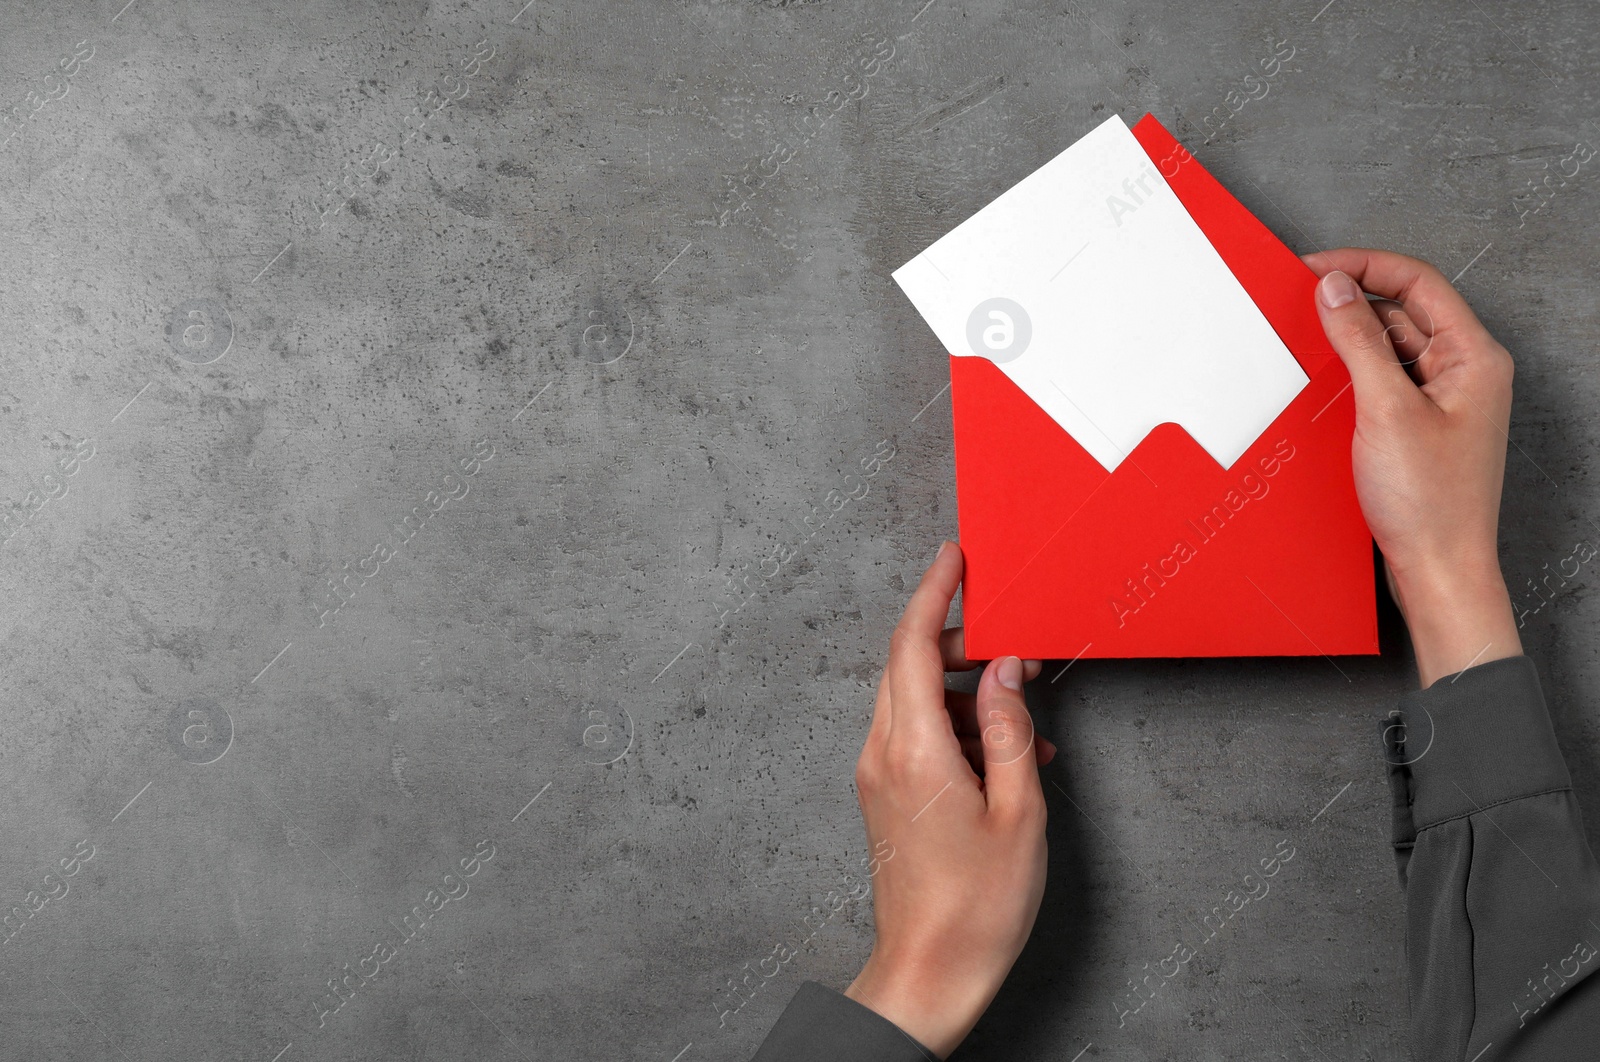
[(666, 400)]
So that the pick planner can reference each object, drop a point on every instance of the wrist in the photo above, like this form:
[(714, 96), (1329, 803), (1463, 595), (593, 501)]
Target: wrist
[(937, 1007), (1458, 617)]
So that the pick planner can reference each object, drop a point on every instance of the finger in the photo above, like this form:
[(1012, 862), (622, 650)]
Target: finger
[(972, 749), (963, 710), (1363, 345), (953, 648), (1409, 337), (1010, 764), (1421, 288), (915, 671)]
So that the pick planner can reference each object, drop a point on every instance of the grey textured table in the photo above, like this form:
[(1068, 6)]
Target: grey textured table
[(512, 322)]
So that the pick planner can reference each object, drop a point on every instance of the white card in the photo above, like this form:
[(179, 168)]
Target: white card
[(1092, 288)]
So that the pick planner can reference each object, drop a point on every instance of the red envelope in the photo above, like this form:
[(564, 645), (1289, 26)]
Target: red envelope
[(1170, 555)]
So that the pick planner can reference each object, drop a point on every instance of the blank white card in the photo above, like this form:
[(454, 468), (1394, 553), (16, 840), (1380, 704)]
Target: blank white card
[(1092, 288)]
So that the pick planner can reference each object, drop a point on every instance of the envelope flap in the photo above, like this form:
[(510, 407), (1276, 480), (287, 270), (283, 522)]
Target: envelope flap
[(1282, 286)]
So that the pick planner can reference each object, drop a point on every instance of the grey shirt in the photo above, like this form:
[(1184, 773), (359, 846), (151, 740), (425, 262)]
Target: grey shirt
[(1502, 892)]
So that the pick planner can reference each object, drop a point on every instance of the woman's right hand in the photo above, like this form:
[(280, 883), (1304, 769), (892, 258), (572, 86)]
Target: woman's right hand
[(1433, 401)]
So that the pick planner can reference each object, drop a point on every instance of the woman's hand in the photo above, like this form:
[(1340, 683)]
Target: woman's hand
[(951, 780), (1433, 399)]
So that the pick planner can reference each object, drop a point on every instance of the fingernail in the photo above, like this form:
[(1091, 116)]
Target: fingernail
[(1337, 290), (1010, 674)]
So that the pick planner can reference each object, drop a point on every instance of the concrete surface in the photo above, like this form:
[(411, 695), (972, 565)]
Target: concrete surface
[(520, 310)]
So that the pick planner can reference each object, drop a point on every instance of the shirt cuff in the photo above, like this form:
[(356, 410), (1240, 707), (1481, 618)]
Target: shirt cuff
[(820, 1023), (1471, 741)]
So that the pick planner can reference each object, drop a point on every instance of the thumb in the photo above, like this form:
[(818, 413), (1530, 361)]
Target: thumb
[(1010, 761), (1361, 341)]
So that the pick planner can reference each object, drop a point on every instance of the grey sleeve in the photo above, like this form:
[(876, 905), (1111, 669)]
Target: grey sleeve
[(821, 1025), (1502, 892)]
